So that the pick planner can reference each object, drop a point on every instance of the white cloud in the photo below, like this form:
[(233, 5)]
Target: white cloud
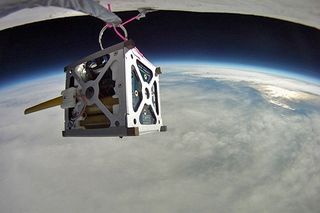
[(279, 91), (227, 150)]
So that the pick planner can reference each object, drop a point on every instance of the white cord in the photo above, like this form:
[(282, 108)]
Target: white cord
[(106, 27), (101, 34)]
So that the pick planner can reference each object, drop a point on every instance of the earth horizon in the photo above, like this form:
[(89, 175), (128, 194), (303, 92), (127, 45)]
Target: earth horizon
[(237, 141)]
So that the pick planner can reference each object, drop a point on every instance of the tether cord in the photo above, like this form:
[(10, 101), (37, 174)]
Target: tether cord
[(123, 36)]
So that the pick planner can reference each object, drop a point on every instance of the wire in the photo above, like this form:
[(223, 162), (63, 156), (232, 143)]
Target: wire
[(131, 19), (123, 36), (78, 115), (84, 106)]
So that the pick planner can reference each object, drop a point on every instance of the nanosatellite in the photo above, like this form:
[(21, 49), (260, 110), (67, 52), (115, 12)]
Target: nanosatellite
[(112, 92)]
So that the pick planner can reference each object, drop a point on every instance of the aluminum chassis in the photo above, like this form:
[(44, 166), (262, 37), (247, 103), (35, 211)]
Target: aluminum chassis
[(122, 122)]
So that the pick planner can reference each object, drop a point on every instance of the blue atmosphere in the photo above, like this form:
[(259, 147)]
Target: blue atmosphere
[(58, 71), (245, 67)]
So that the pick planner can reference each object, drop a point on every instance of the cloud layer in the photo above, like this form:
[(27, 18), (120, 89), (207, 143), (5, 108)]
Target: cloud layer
[(227, 150)]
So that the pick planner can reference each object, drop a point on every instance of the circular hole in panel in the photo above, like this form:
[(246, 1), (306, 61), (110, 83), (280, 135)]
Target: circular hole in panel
[(117, 123), (89, 92)]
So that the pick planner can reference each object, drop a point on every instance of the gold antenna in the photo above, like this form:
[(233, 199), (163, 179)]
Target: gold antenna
[(45, 105)]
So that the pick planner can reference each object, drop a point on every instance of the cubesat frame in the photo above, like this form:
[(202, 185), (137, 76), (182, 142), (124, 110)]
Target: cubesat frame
[(113, 92), (110, 101)]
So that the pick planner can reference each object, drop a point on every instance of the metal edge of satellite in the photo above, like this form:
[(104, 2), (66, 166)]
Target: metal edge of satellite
[(112, 92)]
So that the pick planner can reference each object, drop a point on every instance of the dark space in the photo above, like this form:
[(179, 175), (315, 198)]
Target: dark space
[(44, 48)]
